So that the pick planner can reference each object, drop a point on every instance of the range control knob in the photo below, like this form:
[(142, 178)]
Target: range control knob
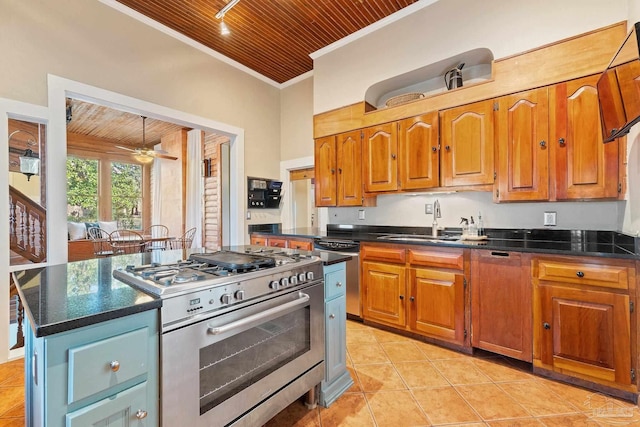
[(275, 285), (239, 295), (284, 282), (310, 275), (293, 280), (302, 277), (225, 298)]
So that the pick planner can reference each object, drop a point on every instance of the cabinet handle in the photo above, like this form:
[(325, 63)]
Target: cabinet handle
[(339, 284), (332, 316), (401, 296), (339, 170), (393, 156), (503, 254), (561, 142), (140, 414), (115, 366), (333, 171), (546, 325), (434, 149), (543, 143), (412, 299), (446, 147), (580, 274)]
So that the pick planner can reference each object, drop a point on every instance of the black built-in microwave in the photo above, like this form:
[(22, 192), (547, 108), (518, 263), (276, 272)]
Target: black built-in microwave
[(263, 193)]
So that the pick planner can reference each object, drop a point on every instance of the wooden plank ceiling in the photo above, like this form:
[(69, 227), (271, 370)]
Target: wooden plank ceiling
[(119, 127), (271, 37)]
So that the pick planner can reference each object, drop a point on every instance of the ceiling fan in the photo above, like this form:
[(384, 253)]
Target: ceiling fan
[(144, 154)]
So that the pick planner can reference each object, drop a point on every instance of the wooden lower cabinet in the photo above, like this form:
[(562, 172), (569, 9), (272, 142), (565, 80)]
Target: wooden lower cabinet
[(282, 242), (584, 323), (416, 289), (501, 303)]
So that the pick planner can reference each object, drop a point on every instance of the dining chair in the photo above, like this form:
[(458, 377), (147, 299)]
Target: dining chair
[(185, 241), (157, 232), (127, 242), (101, 243)]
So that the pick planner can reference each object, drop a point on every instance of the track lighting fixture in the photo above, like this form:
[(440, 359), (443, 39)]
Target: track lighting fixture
[(224, 29)]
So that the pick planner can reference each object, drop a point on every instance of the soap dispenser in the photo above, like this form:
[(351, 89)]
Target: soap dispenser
[(465, 226), (473, 228)]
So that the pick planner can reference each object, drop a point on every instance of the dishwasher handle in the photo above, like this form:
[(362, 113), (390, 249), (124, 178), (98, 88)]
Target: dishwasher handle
[(258, 317)]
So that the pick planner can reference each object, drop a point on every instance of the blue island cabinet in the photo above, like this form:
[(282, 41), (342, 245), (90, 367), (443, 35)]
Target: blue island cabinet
[(337, 379), (104, 374)]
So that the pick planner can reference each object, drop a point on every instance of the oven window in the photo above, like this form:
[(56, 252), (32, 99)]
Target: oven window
[(229, 366)]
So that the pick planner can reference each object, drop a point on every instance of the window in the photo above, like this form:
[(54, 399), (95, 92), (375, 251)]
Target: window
[(93, 195), (82, 190)]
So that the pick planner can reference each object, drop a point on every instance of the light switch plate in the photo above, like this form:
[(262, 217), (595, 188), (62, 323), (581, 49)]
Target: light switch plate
[(549, 218), (428, 208), (361, 214)]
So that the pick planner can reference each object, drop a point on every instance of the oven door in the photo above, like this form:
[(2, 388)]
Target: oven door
[(216, 370)]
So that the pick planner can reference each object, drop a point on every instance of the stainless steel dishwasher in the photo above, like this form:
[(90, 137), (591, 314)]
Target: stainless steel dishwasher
[(352, 248)]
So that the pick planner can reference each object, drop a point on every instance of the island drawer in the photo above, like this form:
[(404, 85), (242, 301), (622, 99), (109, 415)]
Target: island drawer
[(382, 253), (104, 364), (440, 258)]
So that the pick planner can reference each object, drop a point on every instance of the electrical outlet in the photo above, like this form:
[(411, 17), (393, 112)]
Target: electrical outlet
[(361, 214), (248, 214), (549, 218), (428, 208)]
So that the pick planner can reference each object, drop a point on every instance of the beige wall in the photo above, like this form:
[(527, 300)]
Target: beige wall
[(447, 28), (297, 120), (92, 43)]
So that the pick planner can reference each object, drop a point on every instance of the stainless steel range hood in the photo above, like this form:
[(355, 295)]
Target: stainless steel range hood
[(619, 89)]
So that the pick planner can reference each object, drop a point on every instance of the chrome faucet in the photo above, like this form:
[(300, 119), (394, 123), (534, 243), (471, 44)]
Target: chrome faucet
[(436, 214)]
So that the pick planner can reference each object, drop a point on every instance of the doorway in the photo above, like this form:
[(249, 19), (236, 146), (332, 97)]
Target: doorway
[(304, 212)]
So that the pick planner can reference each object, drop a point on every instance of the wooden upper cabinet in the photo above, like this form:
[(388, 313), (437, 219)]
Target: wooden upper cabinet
[(349, 163), (338, 172), (418, 166), (467, 144), (584, 167), (380, 157), (522, 132), (325, 171)]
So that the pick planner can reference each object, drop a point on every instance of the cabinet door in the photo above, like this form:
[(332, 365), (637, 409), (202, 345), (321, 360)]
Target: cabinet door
[(335, 331), (467, 144), (384, 292), (585, 333), (349, 160), (325, 171), (125, 409), (437, 303), (419, 165), (501, 301), (523, 137), (584, 167), (380, 154)]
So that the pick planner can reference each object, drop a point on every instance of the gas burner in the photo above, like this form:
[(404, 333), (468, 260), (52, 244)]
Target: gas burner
[(188, 276)]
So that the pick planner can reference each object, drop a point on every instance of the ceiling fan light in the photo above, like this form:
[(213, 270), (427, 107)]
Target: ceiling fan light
[(143, 158)]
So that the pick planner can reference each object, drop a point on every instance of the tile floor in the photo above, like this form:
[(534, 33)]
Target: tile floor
[(403, 382)]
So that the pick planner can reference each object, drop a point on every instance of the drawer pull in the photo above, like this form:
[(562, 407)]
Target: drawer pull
[(115, 366), (494, 253), (401, 296), (339, 284), (140, 414), (580, 274), (546, 325), (332, 316), (412, 299)]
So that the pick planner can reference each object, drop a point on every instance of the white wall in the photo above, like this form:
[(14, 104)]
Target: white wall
[(447, 28), (297, 120)]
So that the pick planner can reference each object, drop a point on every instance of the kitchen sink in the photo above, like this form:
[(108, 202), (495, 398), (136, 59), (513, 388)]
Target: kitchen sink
[(419, 237)]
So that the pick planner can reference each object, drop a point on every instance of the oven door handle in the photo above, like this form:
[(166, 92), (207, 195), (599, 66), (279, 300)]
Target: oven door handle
[(256, 318)]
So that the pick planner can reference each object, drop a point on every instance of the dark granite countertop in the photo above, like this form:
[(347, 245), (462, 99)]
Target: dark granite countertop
[(551, 241), (63, 297)]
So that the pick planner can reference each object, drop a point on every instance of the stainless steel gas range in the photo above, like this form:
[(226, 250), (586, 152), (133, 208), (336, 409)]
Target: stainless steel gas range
[(242, 333)]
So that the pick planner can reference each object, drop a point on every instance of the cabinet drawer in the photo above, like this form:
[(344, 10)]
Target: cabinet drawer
[(127, 408), (259, 240), (303, 245), (90, 366), (335, 283), (278, 243), (582, 273), (437, 258), (379, 253)]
